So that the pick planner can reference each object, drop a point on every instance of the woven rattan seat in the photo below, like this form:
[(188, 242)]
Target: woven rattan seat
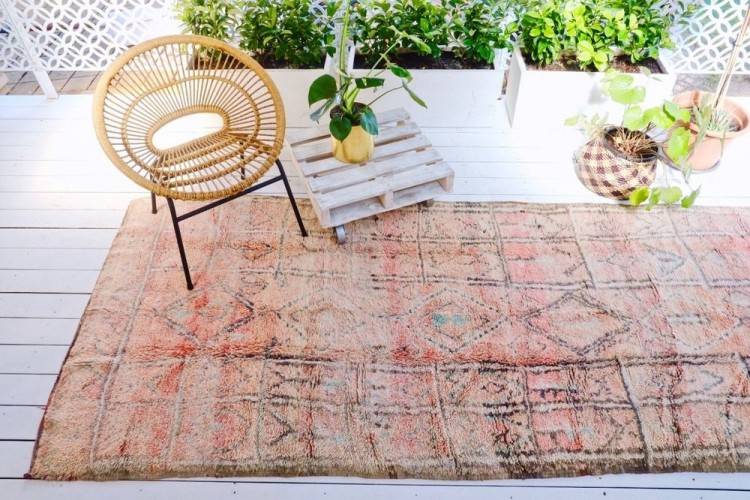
[(162, 80), (168, 78)]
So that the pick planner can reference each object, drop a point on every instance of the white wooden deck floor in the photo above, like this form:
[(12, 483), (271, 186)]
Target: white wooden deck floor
[(61, 203)]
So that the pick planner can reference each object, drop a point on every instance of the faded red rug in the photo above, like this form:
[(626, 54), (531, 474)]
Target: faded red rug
[(459, 341)]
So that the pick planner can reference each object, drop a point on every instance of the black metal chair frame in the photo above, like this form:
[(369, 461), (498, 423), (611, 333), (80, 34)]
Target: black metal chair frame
[(176, 219)]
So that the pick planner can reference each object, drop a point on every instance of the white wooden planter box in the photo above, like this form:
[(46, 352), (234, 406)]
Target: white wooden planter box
[(544, 99), (293, 85), (454, 97)]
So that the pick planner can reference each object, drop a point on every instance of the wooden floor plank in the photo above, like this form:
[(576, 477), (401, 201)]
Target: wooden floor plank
[(62, 204), (25, 389), (286, 490), (57, 238), (47, 281), (20, 422), (31, 359), (35, 331), (80, 259), (41, 305)]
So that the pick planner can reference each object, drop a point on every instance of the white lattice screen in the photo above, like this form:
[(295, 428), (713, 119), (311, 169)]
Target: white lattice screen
[(703, 45), (88, 34), (81, 34)]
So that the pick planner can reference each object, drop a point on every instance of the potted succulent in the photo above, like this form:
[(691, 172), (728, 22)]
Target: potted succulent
[(456, 51), (568, 46), (353, 123), (714, 119), (619, 161)]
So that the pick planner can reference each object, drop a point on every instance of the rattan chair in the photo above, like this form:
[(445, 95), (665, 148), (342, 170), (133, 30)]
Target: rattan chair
[(159, 81)]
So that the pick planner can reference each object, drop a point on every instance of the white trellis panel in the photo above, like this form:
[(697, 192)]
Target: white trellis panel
[(82, 34), (704, 43), (89, 34)]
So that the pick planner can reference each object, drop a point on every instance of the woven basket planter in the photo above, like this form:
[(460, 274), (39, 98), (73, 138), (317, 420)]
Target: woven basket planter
[(610, 173)]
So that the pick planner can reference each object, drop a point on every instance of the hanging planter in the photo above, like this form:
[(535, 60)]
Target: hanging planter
[(608, 172)]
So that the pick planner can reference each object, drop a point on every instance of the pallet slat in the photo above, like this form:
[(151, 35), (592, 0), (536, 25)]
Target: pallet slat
[(406, 169)]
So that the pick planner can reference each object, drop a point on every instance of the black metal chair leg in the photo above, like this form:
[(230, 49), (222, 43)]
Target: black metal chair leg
[(181, 247), (153, 203), (291, 198)]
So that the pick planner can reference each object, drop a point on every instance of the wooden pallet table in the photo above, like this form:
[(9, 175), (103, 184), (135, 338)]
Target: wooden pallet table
[(404, 170)]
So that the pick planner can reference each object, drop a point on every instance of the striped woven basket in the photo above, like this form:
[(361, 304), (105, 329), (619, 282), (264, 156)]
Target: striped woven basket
[(607, 172)]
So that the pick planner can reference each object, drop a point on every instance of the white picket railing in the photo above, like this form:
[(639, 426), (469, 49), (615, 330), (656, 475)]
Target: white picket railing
[(54, 35)]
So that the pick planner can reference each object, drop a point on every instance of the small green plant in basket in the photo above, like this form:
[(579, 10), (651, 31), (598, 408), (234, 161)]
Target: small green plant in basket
[(632, 143), (353, 123)]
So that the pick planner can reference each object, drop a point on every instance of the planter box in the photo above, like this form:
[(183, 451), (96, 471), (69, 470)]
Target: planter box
[(293, 85), (539, 98), (454, 97)]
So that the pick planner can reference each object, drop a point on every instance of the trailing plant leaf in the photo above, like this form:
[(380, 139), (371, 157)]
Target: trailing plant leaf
[(654, 199), (323, 87), (369, 122), (671, 195), (340, 127), (368, 82), (678, 145), (689, 200), (400, 72), (413, 96), (640, 195)]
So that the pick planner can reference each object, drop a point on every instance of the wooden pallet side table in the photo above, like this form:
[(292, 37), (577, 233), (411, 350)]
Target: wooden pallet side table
[(404, 170)]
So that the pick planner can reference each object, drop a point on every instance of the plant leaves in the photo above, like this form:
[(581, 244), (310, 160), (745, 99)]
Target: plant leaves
[(654, 198), (340, 127), (414, 96), (368, 121), (688, 200), (400, 72), (318, 113), (634, 118), (678, 145), (671, 195), (572, 121), (324, 87), (368, 83), (639, 195)]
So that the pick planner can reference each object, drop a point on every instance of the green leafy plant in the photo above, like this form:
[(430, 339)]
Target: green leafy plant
[(477, 28), (541, 31), (648, 25), (339, 95), (214, 18), (633, 136), (592, 32), (290, 32), (379, 26)]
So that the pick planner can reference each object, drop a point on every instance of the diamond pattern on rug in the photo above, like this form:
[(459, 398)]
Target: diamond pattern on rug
[(461, 341)]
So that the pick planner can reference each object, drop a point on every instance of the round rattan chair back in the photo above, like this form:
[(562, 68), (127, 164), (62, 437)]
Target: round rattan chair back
[(159, 81)]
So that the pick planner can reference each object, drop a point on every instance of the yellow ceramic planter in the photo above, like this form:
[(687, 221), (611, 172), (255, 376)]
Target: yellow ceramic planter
[(356, 148)]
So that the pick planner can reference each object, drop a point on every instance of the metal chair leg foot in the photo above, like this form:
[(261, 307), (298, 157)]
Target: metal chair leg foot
[(153, 203), (180, 245), (291, 199)]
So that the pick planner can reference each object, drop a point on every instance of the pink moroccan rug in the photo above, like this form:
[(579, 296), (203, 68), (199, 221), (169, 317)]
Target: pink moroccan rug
[(459, 341)]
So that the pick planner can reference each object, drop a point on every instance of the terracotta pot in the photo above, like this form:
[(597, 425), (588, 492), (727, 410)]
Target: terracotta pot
[(610, 173), (708, 152), (358, 146)]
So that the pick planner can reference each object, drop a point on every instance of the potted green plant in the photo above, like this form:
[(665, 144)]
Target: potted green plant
[(619, 161), (569, 45), (715, 120), (463, 42), (353, 123), (291, 39)]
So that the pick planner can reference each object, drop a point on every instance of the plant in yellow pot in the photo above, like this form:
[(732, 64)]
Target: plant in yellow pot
[(354, 124)]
